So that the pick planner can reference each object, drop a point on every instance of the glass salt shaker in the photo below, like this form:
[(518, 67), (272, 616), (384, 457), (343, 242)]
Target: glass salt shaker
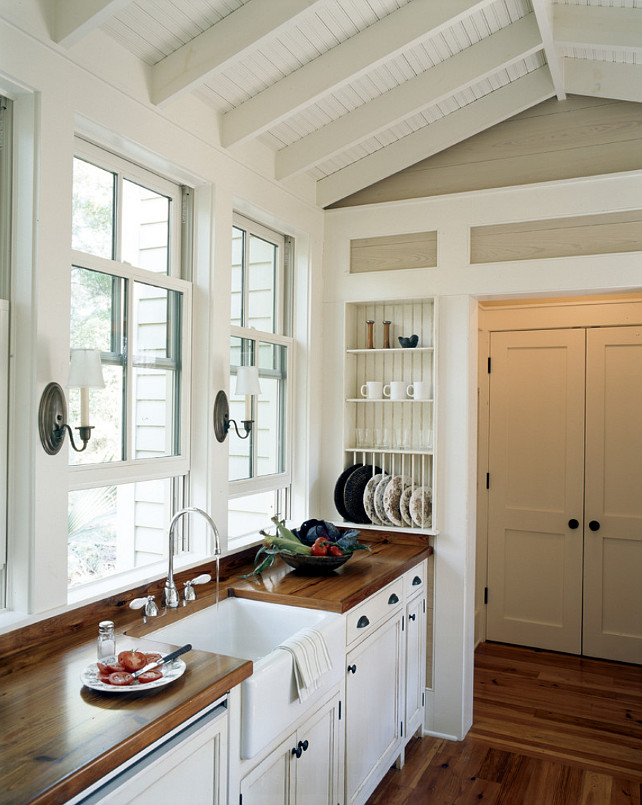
[(106, 640)]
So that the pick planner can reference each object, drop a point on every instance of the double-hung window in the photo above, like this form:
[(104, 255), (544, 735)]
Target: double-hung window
[(259, 465), (131, 300)]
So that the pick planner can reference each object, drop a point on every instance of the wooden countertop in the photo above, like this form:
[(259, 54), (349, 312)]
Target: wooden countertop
[(59, 737)]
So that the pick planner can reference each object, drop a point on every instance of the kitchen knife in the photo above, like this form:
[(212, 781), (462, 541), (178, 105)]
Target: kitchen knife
[(163, 660)]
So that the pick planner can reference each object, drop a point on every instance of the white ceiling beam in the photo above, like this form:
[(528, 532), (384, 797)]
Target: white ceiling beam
[(544, 12), (74, 19), (594, 26), (493, 108), (603, 79), (516, 41), (347, 61), (214, 49)]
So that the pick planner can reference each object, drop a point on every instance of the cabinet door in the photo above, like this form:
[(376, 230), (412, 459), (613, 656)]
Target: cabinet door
[(317, 770), (373, 713), (536, 493), (270, 782), (613, 521), (193, 768), (415, 664)]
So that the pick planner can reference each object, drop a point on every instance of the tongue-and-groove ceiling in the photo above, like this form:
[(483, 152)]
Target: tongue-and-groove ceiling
[(351, 91)]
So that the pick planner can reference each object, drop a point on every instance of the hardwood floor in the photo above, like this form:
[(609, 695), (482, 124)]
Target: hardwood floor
[(549, 729)]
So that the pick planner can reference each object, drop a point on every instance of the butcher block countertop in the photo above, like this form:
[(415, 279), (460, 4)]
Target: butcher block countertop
[(58, 737)]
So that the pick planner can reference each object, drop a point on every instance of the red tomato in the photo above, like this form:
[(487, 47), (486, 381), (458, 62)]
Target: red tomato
[(152, 656), (120, 678), (150, 676), (103, 669), (320, 547), (335, 550), (112, 667), (132, 660)]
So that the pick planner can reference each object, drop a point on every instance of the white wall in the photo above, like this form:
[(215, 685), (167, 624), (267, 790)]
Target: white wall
[(458, 285), (98, 90)]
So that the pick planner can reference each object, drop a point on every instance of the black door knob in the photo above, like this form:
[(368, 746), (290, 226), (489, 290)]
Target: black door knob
[(594, 525), (573, 523), (352, 669)]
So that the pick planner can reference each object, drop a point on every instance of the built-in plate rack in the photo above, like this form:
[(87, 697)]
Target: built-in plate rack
[(394, 435)]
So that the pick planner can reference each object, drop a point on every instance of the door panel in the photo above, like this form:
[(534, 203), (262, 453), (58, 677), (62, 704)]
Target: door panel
[(613, 553), (536, 457)]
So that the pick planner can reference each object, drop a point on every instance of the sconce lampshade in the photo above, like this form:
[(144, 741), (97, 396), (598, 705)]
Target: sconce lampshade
[(85, 370), (247, 381)]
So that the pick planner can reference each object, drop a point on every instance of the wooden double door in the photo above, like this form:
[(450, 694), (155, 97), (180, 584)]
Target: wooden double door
[(565, 491)]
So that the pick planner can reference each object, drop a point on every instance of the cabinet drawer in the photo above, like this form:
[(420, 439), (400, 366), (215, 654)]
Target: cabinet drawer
[(415, 580), (365, 618)]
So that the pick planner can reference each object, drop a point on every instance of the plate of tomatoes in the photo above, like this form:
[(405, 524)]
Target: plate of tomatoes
[(116, 674)]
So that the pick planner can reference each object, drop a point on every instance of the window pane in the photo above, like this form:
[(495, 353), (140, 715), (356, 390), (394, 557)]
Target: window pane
[(237, 276), (250, 513), (270, 427), (145, 235), (93, 209), (97, 305), (156, 362), (117, 528), (240, 450), (260, 278)]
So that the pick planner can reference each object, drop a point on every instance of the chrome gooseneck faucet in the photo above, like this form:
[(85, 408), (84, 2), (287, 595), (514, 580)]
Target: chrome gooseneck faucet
[(172, 598)]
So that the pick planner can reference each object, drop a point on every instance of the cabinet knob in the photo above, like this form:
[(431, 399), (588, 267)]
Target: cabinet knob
[(416, 581), (573, 523), (363, 622), (303, 745), (411, 617), (296, 750), (394, 599), (352, 669), (594, 525)]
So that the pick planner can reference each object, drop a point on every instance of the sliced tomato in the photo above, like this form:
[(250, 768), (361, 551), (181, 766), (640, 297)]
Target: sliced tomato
[(112, 667), (120, 678), (132, 660), (152, 656), (150, 676), (103, 669)]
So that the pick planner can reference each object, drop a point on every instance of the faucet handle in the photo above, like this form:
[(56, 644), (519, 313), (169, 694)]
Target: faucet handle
[(189, 594), (150, 607)]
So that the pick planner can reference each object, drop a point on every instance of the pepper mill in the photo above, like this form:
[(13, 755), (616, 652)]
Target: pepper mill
[(370, 333), (386, 334)]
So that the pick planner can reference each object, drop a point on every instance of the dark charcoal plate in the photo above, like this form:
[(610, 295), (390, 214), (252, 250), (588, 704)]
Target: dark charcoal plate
[(314, 565), (338, 491), (353, 492)]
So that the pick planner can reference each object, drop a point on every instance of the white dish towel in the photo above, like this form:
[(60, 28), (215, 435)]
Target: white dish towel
[(311, 659)]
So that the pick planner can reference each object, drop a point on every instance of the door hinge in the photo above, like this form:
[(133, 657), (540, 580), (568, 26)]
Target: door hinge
[(485, 595), (423, 699), (488, 365), (240, 799), (339, 709), (424, 605), (401, 729), (487, 480), (403, 622)]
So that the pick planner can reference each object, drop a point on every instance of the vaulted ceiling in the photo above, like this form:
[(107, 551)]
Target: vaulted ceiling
[(351, 91)]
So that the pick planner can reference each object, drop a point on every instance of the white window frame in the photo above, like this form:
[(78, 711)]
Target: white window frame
[(279, 481), (131, 470)]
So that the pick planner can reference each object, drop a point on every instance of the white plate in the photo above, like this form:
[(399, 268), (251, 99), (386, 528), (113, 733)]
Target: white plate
[(378, 500), (421, 507), (404, 505), (171, 672), (368, 498), (392, 498)]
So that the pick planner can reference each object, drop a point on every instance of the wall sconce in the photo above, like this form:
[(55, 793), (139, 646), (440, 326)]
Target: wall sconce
[(85, 372), (247, 383)]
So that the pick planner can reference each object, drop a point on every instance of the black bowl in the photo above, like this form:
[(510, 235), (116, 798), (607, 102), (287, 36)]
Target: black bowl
[(314, 564)]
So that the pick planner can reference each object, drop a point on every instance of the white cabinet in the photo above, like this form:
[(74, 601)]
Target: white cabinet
[(191, 764), (304, 769), (393, 432)]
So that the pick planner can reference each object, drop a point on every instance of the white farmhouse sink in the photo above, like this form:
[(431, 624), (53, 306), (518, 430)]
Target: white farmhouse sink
[(253, 630)]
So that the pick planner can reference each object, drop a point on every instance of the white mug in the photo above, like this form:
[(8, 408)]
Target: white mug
[(372, 390), (396, 390), (420, 390)]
